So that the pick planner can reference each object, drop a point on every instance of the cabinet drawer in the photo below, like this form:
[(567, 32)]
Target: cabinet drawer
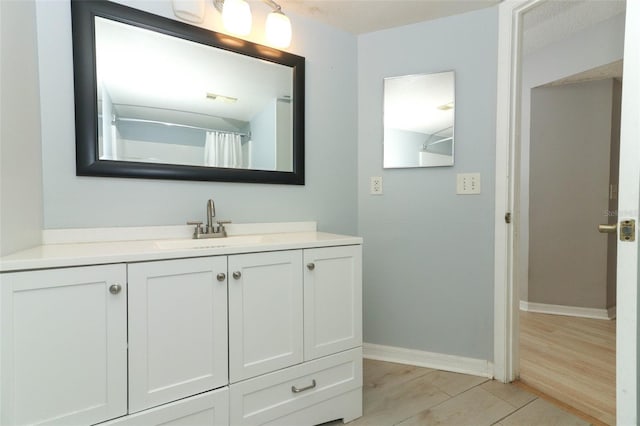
[(269, 397), (209, 408)]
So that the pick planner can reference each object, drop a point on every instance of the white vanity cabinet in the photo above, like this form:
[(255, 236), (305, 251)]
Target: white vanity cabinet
[(177, 329), (265, 334), (63, 357), (265, 312), (317, 318)]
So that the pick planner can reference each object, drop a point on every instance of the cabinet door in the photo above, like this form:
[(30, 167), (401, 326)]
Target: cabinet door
[(64, 345), (332, 300), (265, 312), (177, 329), (209, 408)]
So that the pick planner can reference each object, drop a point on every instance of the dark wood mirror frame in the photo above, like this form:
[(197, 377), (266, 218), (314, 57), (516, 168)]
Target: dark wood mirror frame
[(86, 110)]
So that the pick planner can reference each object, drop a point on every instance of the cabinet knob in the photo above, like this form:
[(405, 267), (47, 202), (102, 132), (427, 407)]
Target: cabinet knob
[(221, 276), (237, 275), (115, 288), (311, 266)]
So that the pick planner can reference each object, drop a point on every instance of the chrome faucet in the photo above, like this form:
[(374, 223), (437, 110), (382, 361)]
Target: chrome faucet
[(211, 213), (212, 230)]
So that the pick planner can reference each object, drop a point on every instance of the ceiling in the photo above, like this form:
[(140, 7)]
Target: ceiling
[(553, 20), (364, 16)]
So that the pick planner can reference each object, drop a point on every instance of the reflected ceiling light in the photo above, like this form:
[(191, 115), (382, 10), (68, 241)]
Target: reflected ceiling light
[(446, 106), (221, 98), (236, 16)]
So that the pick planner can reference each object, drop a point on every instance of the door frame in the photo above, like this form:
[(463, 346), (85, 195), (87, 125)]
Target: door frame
[(506, 292)]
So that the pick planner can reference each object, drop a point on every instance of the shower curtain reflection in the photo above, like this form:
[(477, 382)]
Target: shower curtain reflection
[(223, 149)]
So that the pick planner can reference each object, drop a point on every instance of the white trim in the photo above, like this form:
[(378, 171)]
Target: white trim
[(507, 132), (571, 311), (456, 364)]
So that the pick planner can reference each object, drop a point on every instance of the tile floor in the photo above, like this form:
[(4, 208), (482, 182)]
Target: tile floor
[(404, 395)]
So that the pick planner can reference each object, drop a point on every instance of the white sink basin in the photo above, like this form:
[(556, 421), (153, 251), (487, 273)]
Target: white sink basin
[(207, 242)]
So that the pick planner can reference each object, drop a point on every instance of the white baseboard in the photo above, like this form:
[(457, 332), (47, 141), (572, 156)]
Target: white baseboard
[(571, 311), (456, 364)]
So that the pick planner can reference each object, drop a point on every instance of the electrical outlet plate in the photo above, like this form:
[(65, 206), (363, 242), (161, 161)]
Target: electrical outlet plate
[(375, 185), (468, 183)]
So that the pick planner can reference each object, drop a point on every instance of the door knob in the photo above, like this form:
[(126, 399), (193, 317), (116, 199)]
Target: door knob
[(311, 266), (115, 288), (221, 276), (237, 275), (608, 229)]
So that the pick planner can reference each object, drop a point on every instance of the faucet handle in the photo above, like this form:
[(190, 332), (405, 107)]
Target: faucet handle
[(198, 225), (220, 226)]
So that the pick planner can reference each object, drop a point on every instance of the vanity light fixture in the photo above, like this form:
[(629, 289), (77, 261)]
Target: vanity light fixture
[(236, 16), (278, 29)]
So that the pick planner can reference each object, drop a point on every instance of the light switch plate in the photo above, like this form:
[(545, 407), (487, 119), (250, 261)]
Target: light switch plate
[(468, 183)]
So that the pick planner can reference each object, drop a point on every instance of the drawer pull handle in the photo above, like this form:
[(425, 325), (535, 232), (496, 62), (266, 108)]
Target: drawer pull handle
[(298, 390)]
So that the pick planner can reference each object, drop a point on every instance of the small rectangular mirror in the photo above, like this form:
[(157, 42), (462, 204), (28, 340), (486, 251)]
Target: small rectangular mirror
[(419, 115)]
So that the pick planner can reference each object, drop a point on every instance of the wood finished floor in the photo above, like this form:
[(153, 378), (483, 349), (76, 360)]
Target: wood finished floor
[(571, 359), (405, 395)]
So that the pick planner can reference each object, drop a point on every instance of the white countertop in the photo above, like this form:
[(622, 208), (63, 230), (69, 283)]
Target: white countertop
[(76, 253)]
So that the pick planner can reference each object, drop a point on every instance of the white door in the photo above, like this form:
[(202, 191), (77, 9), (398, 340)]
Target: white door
[(64, 345), (265, 312), (332, 300), (505, 302), (628, 206), (177, 329)]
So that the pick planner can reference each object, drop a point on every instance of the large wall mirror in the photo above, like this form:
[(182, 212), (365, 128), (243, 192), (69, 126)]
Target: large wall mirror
[(161, 99), (419, 113)]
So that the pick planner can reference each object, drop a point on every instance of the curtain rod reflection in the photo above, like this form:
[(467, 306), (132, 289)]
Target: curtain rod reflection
[(440, 141), (140, 120)]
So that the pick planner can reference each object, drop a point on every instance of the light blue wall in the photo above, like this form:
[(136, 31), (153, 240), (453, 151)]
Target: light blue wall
[(428, 253), (329, 195), (20, 161)]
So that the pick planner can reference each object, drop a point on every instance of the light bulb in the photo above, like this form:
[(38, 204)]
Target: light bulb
[(236, 16), (278, 29)]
